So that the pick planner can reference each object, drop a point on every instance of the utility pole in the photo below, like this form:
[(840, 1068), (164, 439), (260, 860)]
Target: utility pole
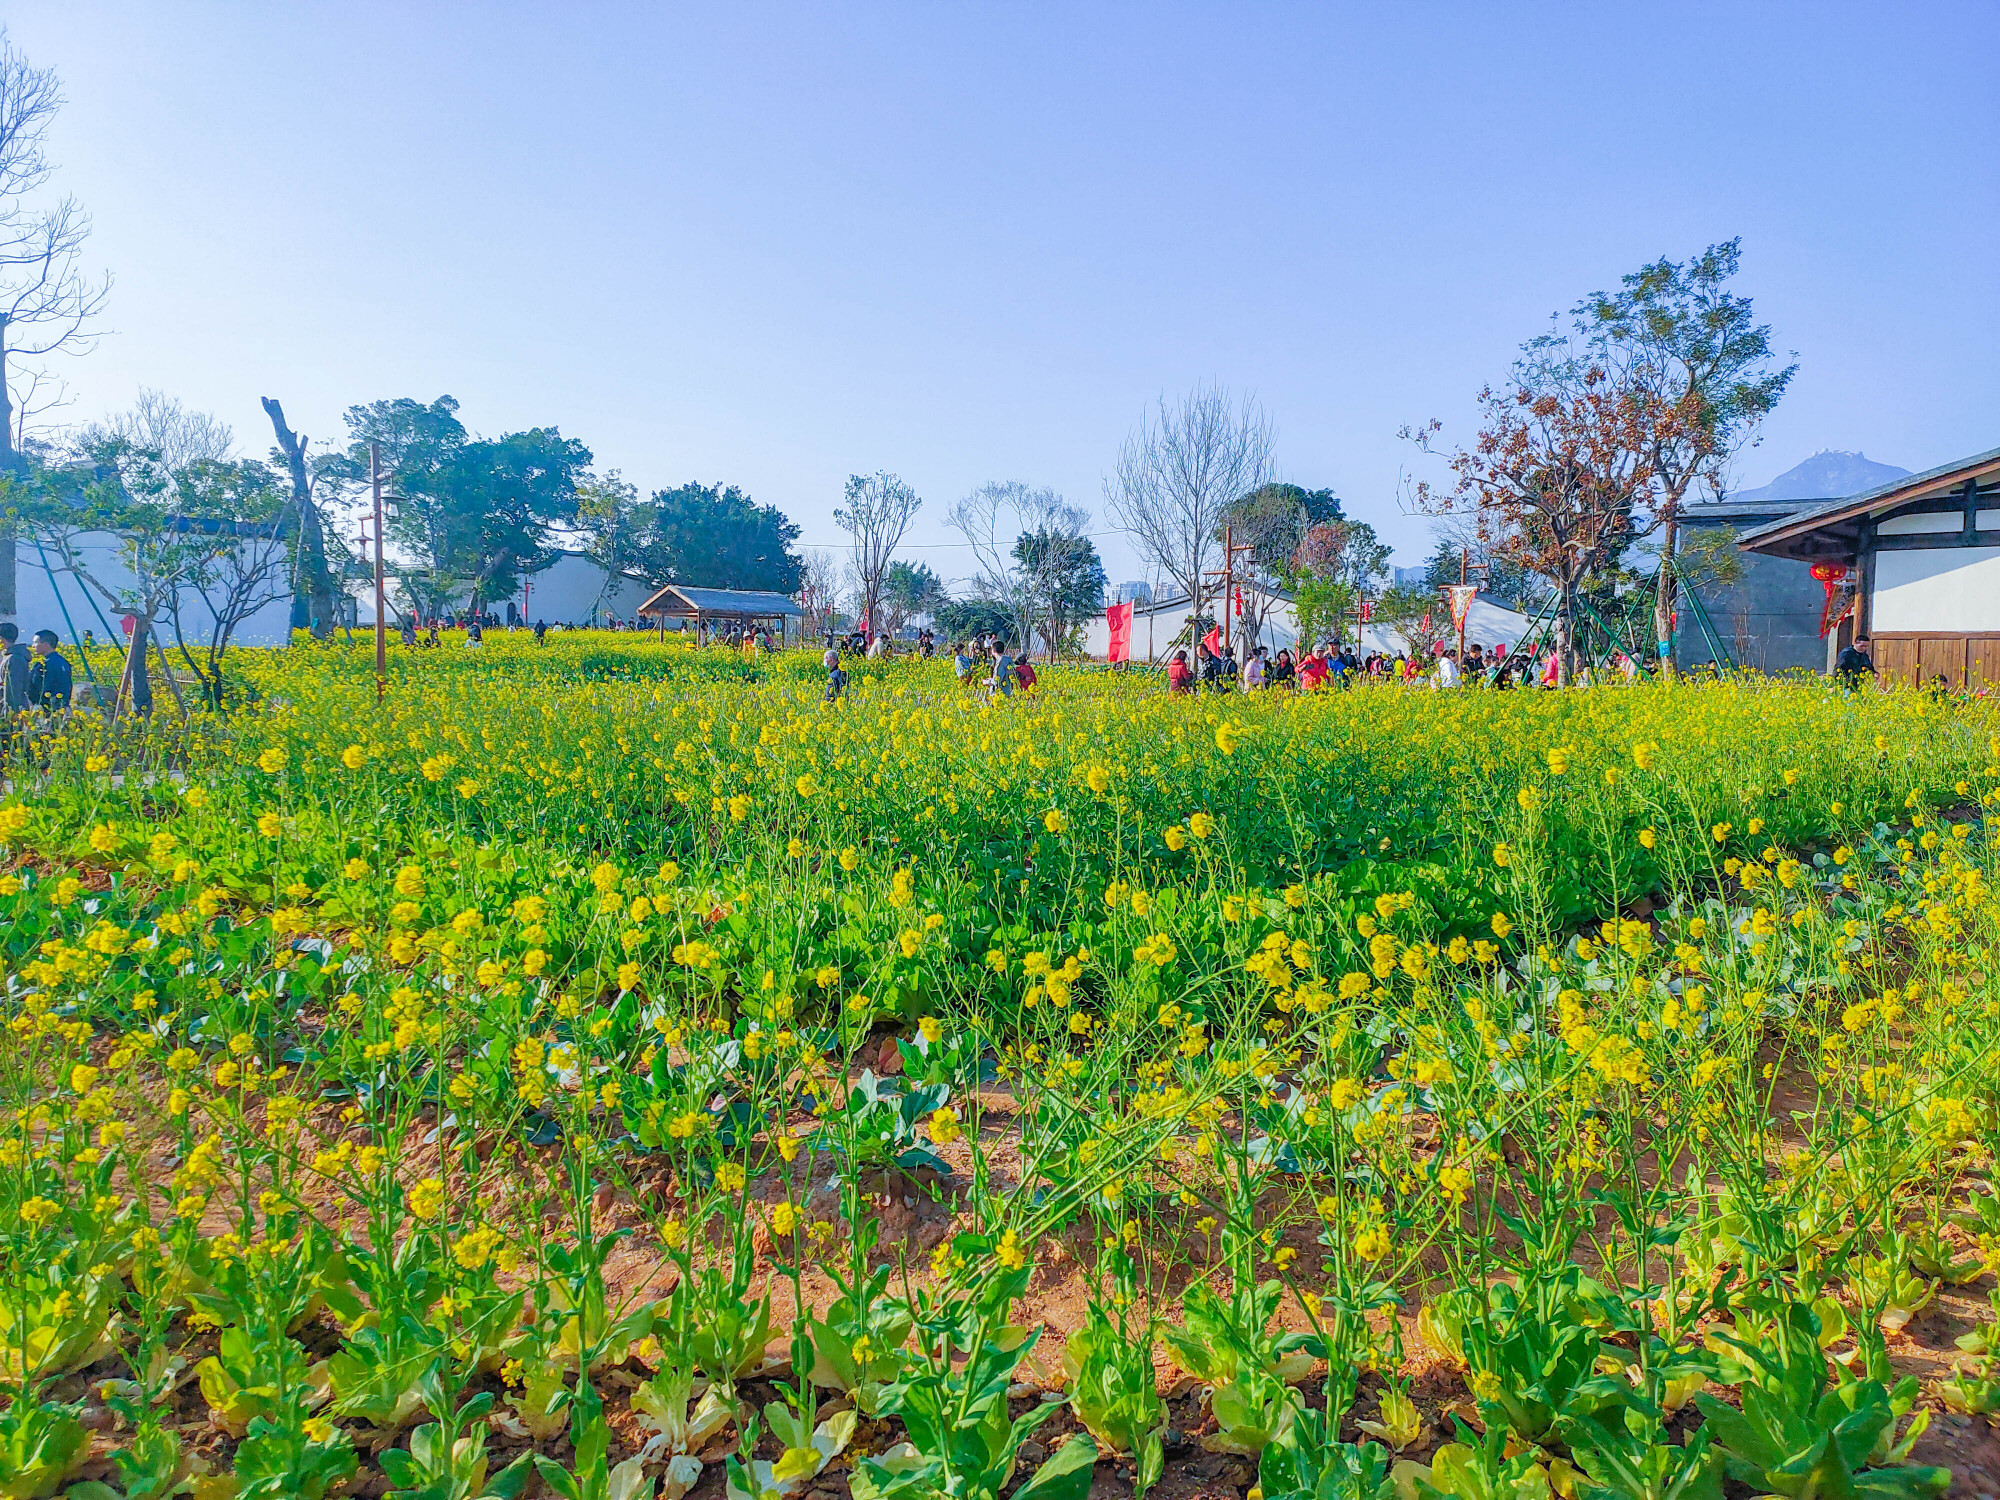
[(1226, 627), (381, 598)]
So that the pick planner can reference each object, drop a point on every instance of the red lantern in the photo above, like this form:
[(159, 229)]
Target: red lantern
[(1833, 578)]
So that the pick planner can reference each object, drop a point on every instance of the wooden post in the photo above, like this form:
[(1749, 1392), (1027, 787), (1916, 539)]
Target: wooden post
[(381, 624)]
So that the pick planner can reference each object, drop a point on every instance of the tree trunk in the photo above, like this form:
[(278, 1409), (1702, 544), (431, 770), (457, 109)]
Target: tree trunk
[(1566, 637), (1664, 601), (9, 459), (136, 683), (318, 578), (10, 462)]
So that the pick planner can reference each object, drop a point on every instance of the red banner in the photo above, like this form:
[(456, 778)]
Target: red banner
[(1119, 618), (1213, 640)]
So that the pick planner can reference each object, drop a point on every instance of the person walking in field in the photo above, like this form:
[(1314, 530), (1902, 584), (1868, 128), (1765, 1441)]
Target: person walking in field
[(1180, 677), (14, 668), (1002, 680), (1854, 663), (50, 681)]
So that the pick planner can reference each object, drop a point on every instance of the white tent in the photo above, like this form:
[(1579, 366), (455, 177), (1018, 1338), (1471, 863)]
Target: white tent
[(1486, 624)]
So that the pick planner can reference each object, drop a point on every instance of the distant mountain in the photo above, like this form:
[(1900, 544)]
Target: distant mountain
[(1827, 475)]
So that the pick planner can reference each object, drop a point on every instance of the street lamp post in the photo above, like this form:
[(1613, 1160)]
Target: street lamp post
[(381, 620)]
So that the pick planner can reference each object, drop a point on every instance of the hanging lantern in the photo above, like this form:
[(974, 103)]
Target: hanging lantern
[(1834, 578)]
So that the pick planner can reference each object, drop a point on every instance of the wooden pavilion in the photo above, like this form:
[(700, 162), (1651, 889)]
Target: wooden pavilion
[(747, 608)]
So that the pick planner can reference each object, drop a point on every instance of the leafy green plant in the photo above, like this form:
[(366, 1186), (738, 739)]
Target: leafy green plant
[(1886, 1284), (1229, 1346), (962, 1440), (447, 1458), (379, 1375), (857, 1346), (590, 1476), (680, 1424), (809, 1447), (41, 1443), (1795, 1437), (1475, 1468), (1625, 1456), (1310, 1463), (1113, 1392), (1532, 1364), (884, 1122)]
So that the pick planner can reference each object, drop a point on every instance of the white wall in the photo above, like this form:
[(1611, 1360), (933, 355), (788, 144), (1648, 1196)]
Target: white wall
[(572, 590), (1486, 624), (1950, 590), (41, 594), (1154, 630)]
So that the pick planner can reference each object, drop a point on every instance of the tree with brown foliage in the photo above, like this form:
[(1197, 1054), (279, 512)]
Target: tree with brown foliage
[(1560, 477)]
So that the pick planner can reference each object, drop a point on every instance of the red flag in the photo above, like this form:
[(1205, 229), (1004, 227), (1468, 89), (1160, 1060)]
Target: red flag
[(1213, 640), (1119, 618)]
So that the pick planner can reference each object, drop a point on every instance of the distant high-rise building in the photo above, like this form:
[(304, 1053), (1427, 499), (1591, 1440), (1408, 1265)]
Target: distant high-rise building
[(1141, 592)]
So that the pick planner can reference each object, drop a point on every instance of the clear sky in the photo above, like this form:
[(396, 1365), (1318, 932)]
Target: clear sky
[(774, 245)]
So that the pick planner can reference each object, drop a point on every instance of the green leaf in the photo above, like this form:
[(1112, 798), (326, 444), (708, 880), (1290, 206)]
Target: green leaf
[(1066, 1475)]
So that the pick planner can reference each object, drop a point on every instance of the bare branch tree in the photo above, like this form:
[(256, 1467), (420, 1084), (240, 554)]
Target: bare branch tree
[(44, 299), (995, 519), (159, 423), (1179, 472), (39, 391), (819, 591), (876, 514)]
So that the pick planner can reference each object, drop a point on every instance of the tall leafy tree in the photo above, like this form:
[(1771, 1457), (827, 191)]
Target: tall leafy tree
[(1066, 582), (1675, 333), (1502, 580), (908, 589), (715, 536), (481, 509)]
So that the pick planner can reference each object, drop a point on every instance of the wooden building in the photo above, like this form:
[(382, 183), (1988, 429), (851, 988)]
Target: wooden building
[(1921, 559)]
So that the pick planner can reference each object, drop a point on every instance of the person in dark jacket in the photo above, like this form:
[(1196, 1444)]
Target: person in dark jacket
[(50, 681), (1853, 663), (14, 669)]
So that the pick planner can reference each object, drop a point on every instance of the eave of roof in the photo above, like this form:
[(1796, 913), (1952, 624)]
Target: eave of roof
[(745, 603), (1772, 536)]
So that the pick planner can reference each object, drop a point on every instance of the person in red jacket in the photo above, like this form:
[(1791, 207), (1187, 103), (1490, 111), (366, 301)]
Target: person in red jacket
[(1180, 679), (1313, 670)]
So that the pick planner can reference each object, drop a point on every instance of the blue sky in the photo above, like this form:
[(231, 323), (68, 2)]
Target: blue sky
[(773, 245)]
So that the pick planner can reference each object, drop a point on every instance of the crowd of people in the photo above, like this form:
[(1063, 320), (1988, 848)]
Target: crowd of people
[(1341, 664)]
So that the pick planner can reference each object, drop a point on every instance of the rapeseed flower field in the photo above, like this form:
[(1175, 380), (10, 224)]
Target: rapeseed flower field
[(608, 1069)]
